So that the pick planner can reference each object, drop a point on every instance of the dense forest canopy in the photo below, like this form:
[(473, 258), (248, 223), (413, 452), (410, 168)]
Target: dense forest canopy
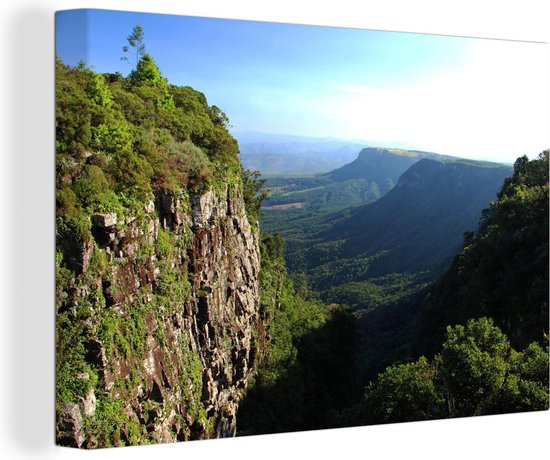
[(476, 372)]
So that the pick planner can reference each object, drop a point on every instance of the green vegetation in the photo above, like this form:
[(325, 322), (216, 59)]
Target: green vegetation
[(477, 372), (417, 226), (307, 369), (122, 141), (502, 272), (371, 175), (253, 194), (379, 166), (381, 262), (379, 258), (109, 422), (318, 191), (495, 275)]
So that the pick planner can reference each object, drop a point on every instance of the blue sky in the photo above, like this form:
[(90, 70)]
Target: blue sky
[(485, 99)]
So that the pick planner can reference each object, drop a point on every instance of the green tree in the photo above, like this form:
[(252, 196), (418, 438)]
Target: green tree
[(476, 373), (135, 40), (474, 365), (146, 71), (148, 77), (253, 193), (404, 392), (97, 90), (72, 118), (526, 386)]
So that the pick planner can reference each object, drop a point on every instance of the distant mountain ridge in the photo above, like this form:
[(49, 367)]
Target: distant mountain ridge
[(280, 155), (418, 225), (365, 179), (279, 138), (270, 161), (381, 166), (426, 214), (297, 148)]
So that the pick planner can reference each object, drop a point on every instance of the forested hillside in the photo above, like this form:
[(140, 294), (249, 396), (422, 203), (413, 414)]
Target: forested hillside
[(430, 342), (381, 166), (380, 258), (502, 271), (308, 367), (492, 301), (476, 372), (121, 139), (416, 227)]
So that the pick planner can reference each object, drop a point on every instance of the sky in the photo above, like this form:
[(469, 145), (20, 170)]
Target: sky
[(473, 98)]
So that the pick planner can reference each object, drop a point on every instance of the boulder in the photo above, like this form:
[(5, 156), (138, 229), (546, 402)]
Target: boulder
[(69, 425), (104, 220)]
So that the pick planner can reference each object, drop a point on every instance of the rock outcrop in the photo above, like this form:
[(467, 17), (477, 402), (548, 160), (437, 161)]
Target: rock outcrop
[(157, 334)]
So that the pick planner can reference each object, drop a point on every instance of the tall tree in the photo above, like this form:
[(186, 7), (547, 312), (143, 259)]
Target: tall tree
[(135, 40), (474, 366)]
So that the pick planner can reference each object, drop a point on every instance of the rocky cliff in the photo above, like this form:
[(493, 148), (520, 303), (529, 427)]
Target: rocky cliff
[(157, 319)]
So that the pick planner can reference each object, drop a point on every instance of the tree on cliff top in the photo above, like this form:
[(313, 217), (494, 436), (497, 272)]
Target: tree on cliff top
[(135, 40)]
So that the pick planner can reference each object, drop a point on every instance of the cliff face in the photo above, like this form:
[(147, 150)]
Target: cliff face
[(157, 333)]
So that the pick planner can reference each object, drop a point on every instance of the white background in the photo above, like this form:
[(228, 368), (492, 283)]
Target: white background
[(27, 234)]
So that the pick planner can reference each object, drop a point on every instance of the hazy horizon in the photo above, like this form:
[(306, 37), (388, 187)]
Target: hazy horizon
[(473, 98)]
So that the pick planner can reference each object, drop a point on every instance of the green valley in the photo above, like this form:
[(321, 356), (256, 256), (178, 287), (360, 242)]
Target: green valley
[(387, 260)]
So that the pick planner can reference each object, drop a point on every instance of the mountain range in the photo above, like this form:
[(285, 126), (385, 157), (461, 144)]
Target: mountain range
[(276, 155), (368, 177), (419, 224), (414, 226)]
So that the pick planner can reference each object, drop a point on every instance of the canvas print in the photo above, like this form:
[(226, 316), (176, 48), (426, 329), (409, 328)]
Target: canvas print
[(265, 228)]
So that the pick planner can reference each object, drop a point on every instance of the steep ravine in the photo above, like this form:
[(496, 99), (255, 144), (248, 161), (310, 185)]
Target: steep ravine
[(158, 323)]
